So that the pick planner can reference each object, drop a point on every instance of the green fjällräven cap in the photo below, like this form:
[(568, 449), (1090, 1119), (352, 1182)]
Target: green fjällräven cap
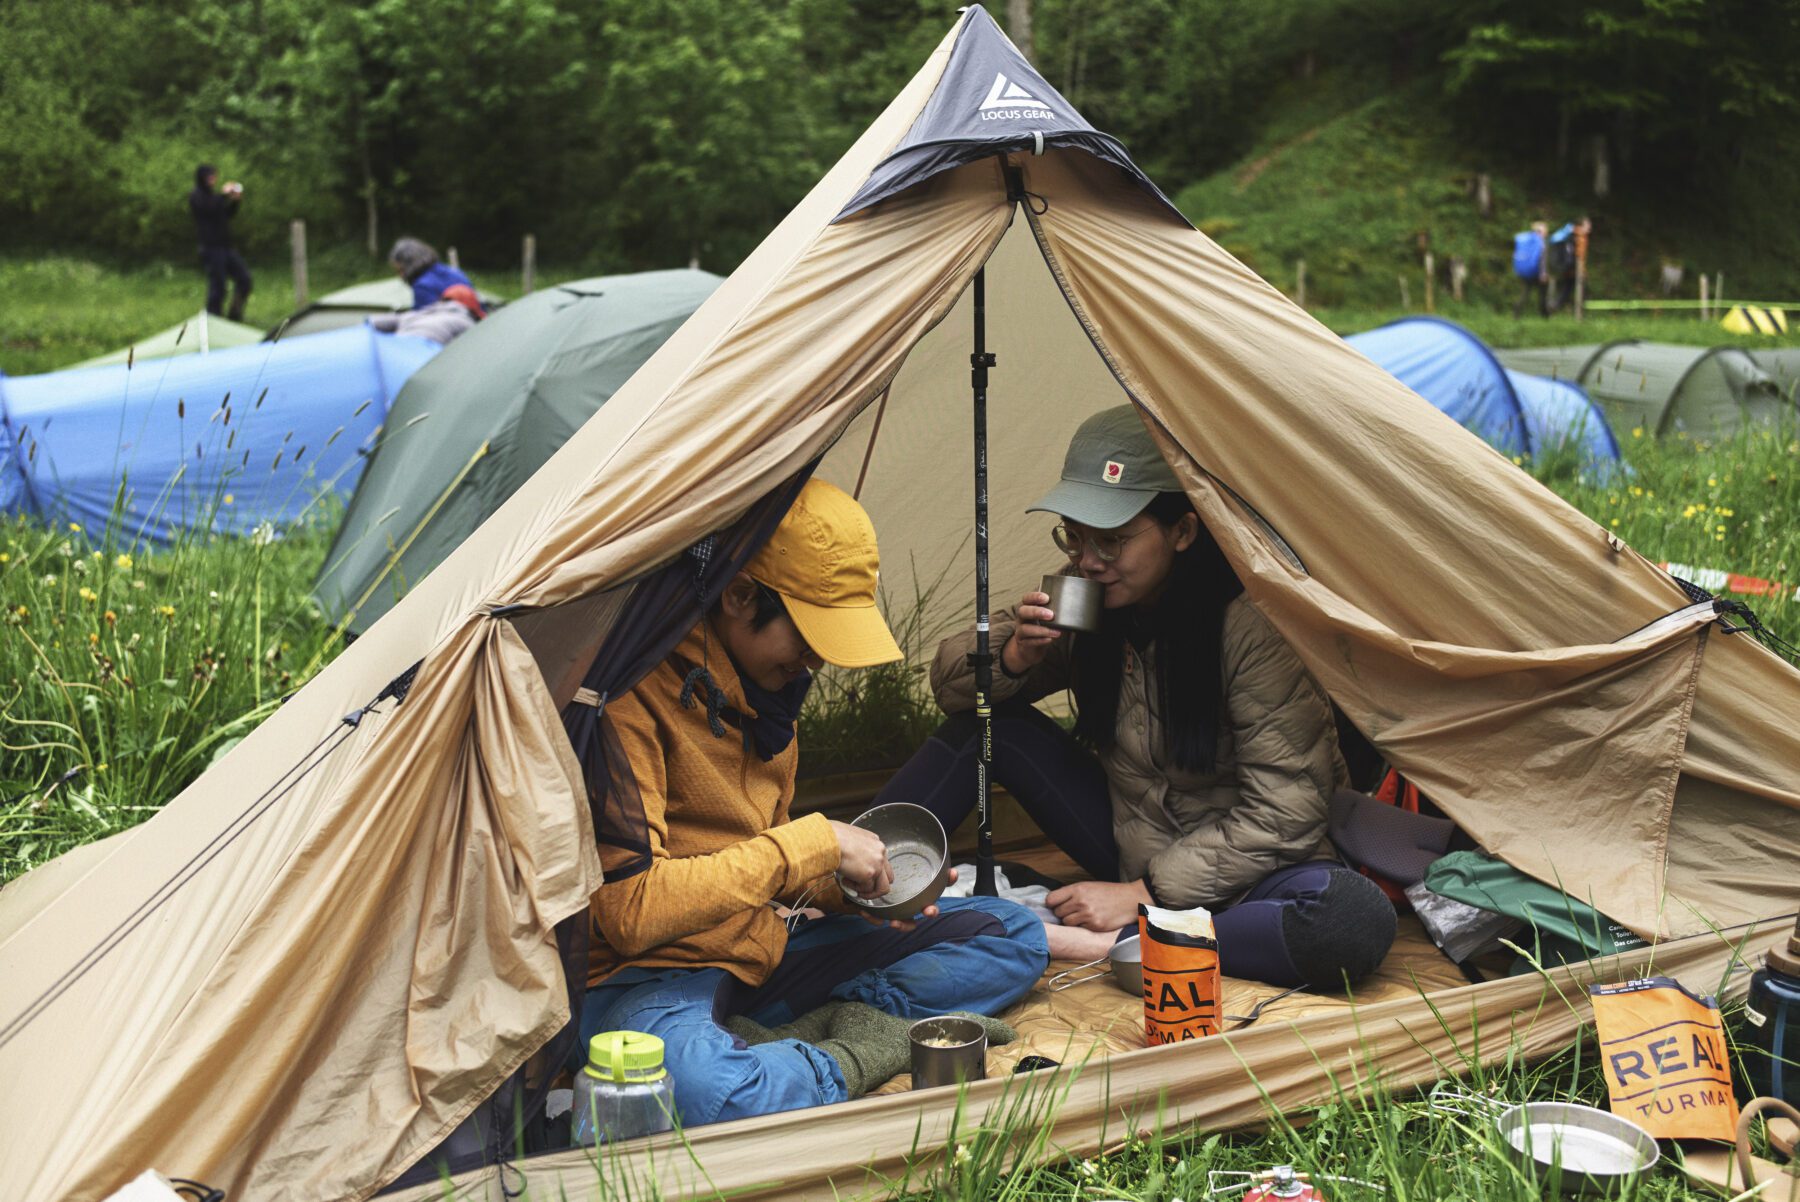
[(1112, 471)]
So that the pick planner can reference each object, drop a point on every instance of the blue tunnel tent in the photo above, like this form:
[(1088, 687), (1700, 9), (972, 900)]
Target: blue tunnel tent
[(229, 440), (1516, 413)]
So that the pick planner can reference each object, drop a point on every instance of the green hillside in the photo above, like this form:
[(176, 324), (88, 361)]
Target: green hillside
[(1359, 181)]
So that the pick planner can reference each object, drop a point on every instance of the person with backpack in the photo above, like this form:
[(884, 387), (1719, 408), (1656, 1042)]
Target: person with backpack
[(1204, 757), (1566, 246), (417, 263), (1529, 255)]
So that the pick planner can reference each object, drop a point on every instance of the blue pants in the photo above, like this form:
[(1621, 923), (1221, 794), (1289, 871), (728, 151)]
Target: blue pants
[(980, 954)]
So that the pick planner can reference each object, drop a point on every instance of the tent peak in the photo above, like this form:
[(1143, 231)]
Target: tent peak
[(990, 100)]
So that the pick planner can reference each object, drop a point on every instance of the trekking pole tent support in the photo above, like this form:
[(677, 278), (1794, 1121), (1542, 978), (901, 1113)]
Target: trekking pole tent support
[(983, 660)]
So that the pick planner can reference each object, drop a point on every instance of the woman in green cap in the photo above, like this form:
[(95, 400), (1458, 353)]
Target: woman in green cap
[(1204, 757)]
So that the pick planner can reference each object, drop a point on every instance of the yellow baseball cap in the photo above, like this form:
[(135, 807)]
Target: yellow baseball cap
[(823, 562)]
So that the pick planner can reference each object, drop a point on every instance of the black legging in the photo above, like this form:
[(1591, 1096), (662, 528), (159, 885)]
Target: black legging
[(1316, 923), (1060, 783)]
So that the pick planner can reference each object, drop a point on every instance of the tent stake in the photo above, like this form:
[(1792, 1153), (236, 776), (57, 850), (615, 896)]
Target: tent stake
[(982, 659)]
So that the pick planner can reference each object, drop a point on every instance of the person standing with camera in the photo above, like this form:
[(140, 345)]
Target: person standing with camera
[(213, 208)]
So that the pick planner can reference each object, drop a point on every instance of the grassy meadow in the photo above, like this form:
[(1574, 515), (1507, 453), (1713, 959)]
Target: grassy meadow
[(126, 668)]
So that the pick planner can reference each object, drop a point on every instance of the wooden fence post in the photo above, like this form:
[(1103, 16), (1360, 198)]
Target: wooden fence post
[(1484, 195), (453, 260), (1430, 282), (1704, 315), (1300, 283), (1459, 275), (529, 273), (1719, 292), (297, 242), (1405, 296)]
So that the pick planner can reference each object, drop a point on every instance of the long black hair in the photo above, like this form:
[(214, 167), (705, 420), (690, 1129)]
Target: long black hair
[(1185, 624)]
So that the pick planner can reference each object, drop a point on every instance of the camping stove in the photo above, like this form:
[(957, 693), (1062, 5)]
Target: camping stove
[(1278, 1184), (1284, 1183)]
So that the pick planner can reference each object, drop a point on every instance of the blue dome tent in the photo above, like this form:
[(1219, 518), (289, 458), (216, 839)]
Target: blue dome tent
[(1516, 413), (228, 440)]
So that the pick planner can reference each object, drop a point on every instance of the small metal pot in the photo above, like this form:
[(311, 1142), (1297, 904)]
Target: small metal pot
[(1076, 602), (917, 850), (1597, 1151), (1125, 963), (947, 1050)]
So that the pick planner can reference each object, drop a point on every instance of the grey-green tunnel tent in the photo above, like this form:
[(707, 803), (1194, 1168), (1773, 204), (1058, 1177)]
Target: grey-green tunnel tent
[(1662, 387), (477, 421), (1783, 364)]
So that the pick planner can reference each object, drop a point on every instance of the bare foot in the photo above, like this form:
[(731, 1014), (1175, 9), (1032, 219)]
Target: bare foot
[(1073, 943)]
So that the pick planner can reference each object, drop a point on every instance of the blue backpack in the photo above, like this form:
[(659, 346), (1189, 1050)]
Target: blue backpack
[(1528, 254)]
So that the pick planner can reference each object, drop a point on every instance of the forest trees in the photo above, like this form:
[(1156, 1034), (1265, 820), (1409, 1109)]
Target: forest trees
[(640, 134)]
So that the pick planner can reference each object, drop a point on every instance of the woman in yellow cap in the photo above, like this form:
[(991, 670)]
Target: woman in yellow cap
[(1204, 757), (695, 941)]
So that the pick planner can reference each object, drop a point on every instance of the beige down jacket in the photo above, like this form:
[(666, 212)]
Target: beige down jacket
[(1199, 838)]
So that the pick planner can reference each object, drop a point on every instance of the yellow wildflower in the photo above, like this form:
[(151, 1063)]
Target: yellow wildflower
[(1724, 512), (1637, 431), (93, 638), (123, 563), (1614, 522), (1636, 491), (21, 611), (1720, 529), (88, 594), (1689, 512), (1712, 482), (75, 526), (99, 767), (5, 558), (1519, 460), (167, 611), (1718, 538), (229, 499)]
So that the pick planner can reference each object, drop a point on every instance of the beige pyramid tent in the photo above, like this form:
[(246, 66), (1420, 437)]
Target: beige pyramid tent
[(324, 954)]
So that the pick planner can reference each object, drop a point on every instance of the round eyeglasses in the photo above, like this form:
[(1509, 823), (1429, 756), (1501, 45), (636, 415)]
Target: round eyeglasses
[(1105, 545)]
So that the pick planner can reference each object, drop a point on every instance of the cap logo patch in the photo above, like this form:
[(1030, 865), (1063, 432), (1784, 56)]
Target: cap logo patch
[(1113, 473)]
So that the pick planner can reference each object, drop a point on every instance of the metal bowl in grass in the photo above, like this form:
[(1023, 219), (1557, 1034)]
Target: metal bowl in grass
[(917, 850), (1588, 1150)]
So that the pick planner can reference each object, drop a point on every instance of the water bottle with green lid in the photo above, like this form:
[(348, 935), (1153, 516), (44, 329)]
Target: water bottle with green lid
[(623, 1091)]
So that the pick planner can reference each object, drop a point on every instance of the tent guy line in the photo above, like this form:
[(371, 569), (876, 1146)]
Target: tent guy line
[(284, 784)]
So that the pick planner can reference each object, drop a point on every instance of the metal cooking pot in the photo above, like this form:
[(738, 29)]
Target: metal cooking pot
[(917, 850), (1596, 1150)]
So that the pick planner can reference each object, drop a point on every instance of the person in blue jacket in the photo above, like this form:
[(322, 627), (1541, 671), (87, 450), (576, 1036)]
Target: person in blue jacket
[(416, 263), (1531, 266)]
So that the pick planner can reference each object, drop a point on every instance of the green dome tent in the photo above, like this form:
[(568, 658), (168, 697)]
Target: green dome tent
[(196, 335), (464, 435), (1662, 387)]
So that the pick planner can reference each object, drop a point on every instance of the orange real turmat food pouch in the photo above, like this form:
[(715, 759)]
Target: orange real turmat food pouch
[(1181, 974), (1667, 1068)]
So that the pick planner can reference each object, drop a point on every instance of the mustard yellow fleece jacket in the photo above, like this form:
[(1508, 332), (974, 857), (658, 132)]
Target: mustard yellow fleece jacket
[(721, 844)]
